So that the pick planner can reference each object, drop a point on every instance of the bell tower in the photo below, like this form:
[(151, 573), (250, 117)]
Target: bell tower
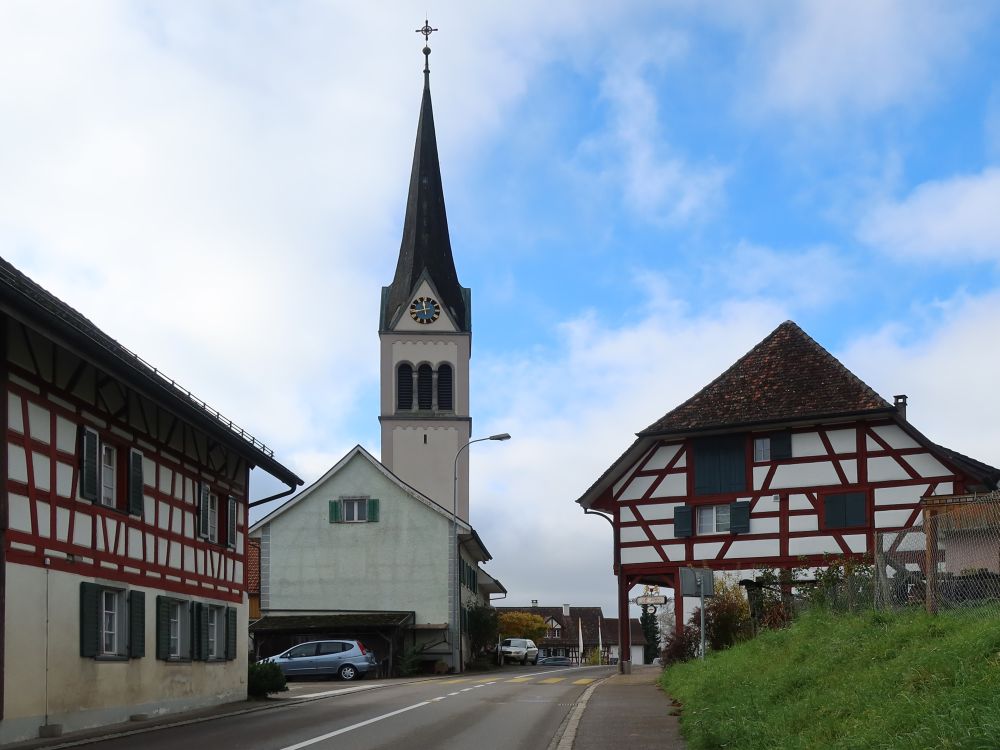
[(425, 331)]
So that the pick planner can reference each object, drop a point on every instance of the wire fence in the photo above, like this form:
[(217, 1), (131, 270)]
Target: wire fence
[(951, 561)]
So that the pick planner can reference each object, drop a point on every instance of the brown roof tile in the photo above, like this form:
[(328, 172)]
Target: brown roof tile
[(786, 376), (253, 566)]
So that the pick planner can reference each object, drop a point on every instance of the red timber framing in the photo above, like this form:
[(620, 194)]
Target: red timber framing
[(890, 464), (51, 394), (3, 520)]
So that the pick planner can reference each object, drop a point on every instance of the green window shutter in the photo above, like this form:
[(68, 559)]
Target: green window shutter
[(89, 465), (89, 619), (136, 624), (231, 511), (372, 510), (202, 509), (336, 514), (135, 483), (199, 631), (739, 517), (682, 521), (781, 445), (230, 633), (162, 627)]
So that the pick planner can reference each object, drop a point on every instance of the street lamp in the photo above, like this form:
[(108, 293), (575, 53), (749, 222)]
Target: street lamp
[(456, 648)]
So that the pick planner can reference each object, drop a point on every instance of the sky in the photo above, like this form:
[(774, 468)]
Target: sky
[(637, 193)]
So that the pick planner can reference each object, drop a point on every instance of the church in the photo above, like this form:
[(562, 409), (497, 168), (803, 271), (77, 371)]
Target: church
[(383, 550)]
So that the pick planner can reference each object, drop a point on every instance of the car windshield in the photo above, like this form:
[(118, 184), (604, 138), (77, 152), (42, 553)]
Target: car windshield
[(517, 642)]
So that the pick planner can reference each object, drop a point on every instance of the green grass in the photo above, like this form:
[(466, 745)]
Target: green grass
[(849, 681)]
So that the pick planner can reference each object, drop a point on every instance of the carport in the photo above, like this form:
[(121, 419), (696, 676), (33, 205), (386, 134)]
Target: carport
[(382, 632)]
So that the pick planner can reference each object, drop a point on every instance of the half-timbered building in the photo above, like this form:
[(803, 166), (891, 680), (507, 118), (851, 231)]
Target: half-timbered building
[(786, 459), (122, 542)]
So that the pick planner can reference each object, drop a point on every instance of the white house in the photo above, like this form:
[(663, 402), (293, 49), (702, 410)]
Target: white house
[(360, 553)]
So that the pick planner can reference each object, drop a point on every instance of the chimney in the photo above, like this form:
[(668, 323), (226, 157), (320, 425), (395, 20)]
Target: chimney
[(534, 602), (900, 405), (565, 610)]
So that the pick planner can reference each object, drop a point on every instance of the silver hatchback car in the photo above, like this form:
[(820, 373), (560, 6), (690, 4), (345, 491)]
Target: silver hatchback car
[(348, 660)]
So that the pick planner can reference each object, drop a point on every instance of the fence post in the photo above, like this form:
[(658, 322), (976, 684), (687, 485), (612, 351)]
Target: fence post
[(931, 560)]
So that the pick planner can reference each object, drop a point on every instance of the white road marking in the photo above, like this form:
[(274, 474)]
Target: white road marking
[(345, 730), (341, 691)]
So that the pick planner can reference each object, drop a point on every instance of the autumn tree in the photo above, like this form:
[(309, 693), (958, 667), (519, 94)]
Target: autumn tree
[(483, 627), (522, 625)]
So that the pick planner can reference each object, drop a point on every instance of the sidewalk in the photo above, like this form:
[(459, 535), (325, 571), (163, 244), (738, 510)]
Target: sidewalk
[(626, 712)]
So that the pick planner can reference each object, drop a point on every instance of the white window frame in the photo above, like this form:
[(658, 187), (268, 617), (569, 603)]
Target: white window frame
[(213, 517), (113, 624), (216, 632), (718, 515), (355, 509), (108, 471), (761, 449)]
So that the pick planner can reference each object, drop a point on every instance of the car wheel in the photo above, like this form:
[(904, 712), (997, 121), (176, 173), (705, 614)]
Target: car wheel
[(524, 660), (535, 662), (348, 672)]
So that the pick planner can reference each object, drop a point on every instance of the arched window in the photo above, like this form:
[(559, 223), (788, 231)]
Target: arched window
[(425, 387), (404, 387), (445, 401)]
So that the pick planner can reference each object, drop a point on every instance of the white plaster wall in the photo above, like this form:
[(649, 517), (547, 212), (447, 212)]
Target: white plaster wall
[(895, 436), (843, 441), (81, 692), (656, 512), (661, 457), (633, 534), (637, 487), (428, 466), (884, 469), (398, 563), (812, 474), (754, 548), (813, 545), (673, 485), (639, 555), (807, 444), (926, 465)]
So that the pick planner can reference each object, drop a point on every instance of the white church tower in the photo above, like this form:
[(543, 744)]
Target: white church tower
[(425, 329)]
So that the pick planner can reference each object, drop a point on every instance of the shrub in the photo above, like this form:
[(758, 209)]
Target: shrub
[(678, 647), (410, 661), (727, 615), (265, 678)]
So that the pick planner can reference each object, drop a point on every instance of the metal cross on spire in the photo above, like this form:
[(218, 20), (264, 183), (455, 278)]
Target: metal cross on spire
[(427, 30)]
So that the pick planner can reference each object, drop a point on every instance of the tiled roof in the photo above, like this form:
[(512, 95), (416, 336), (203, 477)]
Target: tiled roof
[(253, 566), (787, 376), (590, 617), (609, 630)]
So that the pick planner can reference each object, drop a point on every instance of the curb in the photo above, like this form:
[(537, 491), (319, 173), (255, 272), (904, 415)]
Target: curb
[(565, 736)]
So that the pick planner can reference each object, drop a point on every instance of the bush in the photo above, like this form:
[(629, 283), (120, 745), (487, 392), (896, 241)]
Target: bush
[(265, 678), (727, 615), (683, 646)]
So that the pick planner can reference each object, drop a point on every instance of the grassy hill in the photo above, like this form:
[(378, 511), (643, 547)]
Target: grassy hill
[(849, 681)]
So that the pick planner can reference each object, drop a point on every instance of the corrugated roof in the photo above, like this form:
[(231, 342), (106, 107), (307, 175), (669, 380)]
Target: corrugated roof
[(785, 377)]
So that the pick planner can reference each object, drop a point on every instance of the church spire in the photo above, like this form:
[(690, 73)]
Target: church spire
[(426, 245)]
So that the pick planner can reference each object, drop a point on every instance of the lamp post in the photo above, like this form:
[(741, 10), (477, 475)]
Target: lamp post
[(456, 648)]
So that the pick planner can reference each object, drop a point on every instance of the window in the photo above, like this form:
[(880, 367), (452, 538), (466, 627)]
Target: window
[(713, 519), (231, 512), (772, 447), (208, 513), (308, 649), (404, 387), (425, 387), (173, 629), (112, 622), (109, 461), (216, 631), (354, 510), (445, 389), (553, 630), (719, 464), (845, 509), (333, 647)]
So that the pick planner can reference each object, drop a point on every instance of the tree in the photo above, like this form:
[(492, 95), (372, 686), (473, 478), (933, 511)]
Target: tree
[(522, 625), (650, 629), (483, 627)]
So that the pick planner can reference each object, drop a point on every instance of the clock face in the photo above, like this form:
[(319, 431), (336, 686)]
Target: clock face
[(425, 310)]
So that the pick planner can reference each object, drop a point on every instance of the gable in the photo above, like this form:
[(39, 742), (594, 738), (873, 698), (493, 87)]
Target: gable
[(424, 289)]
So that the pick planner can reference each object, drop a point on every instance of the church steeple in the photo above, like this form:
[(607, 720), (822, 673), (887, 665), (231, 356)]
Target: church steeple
[(426, 246)]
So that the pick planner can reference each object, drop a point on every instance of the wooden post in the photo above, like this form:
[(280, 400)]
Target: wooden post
[(678, 603), (931, 559), (624, 631)]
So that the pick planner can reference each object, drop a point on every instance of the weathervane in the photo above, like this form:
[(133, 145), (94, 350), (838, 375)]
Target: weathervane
[(426, 30)]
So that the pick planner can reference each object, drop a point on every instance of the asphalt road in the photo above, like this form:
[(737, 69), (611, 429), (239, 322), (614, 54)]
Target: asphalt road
[(519, 708)]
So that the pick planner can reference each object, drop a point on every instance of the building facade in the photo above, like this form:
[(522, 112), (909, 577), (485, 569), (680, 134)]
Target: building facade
[(785, 460), (124, 512)]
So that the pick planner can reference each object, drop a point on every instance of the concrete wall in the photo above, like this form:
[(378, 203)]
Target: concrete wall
[(398, 563), (43, 627)]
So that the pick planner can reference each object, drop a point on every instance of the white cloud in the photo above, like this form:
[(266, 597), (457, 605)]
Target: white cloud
[(946, 363), (951, 220), (820, 60)]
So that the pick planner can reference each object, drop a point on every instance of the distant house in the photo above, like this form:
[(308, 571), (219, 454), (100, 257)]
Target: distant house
[(361, 554), (610, 632), (122, 548), (565, 625), (784, 460)]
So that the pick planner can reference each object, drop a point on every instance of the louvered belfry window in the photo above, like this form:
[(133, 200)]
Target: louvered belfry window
[(404, 387), (445, 389), (425, 387)]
